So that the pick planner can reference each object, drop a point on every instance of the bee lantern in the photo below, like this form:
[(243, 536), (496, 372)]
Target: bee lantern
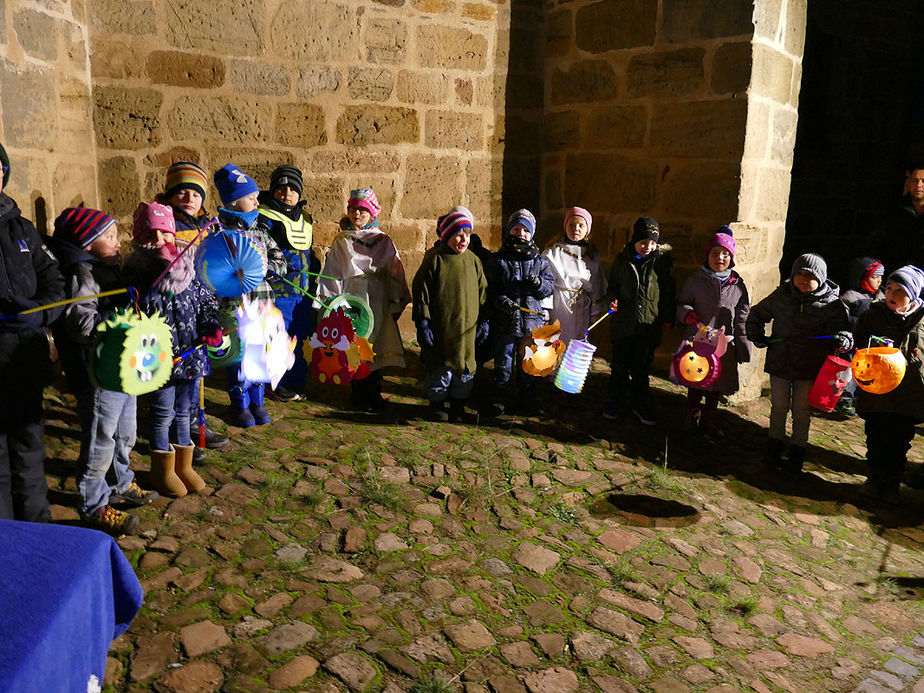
[(878, 370), (691, 369), (131, 353)]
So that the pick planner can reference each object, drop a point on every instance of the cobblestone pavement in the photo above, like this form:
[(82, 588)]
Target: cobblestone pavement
[(344, 552)]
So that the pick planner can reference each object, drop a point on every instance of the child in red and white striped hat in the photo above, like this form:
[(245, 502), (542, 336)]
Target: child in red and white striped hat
[(449, 293)]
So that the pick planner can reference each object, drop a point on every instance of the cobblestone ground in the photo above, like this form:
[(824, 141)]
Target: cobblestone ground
[(342, 552)]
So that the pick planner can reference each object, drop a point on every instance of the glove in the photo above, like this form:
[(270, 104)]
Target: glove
[(512, 309), (532, 281), (482, 331), (691, 318), (425, 334), (214, 339), (844, 341), (30, 321)]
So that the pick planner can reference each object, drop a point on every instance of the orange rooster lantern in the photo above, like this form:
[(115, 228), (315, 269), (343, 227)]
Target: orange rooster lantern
[(335, 353), (543, 350)]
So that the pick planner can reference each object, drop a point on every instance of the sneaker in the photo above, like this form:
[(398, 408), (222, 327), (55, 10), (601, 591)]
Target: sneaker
[(198, 453), (644, 415), (113, 521), (135, 495), (280, 394)]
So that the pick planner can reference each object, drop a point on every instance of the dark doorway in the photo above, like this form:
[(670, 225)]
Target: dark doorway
[(861, 120)]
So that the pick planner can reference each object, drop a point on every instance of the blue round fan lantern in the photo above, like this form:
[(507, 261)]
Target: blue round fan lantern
[(231, 262)]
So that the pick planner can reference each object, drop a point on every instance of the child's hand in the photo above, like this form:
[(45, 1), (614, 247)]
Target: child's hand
[(214, 339), (691, 318), (532, 281), (614, 306), (482, 330), (844, 341), (425, 334)]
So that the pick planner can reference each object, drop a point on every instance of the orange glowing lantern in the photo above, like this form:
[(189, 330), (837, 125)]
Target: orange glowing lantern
[(878, 369)]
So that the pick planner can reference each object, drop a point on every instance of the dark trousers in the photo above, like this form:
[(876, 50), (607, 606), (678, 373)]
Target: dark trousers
[(888, 439), (629, 368), (23, 489), (298, 314), (367, 391)]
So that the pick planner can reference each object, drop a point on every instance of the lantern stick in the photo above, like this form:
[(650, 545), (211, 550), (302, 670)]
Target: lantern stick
[(75, 299), (298, 288), (602, 318), (186, 353), (323, 276), (527, 310), (201, 413), (192, 243)]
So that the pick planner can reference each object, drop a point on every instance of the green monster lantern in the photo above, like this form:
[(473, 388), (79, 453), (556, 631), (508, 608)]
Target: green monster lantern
[(131, 353)]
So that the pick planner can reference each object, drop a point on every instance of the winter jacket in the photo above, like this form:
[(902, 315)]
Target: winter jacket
[(184, 303), (907, 333), (84, 275), (797, 319), (580, 286), (645, 291), (187, 227), (28, 272), (899, 240), (291, 228), (275, 260), (510, 290), (856, 298), (719, 303), (449, 291)]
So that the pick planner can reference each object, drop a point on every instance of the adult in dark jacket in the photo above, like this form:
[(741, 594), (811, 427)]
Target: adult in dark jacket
[(899, 240), (29, 277), (519, 277), (890, 418), (809, 322), (642, 285)]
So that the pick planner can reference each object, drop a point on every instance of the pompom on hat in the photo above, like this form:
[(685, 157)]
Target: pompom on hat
[(81, 226), (185, 175), (152, 215), (722, 238), (365, 198), (233, 184), (456, 220), (579, 212), (286, 175), (524, 217)]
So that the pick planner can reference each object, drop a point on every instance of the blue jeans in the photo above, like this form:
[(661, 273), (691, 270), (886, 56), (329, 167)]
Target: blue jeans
[(299, 318), (170, 415), (109, 427), (507, 359)]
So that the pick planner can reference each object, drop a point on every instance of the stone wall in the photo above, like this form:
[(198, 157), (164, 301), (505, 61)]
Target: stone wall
[(400, 95), (45, 106)]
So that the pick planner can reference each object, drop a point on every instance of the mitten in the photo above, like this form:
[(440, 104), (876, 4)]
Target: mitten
[(482, 331), (532, 281), (214, 339), (691, 318), (21, 321), (844, 341), (425, 334)]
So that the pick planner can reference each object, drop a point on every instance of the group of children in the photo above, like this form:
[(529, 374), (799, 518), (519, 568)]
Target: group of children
[(468, 305)]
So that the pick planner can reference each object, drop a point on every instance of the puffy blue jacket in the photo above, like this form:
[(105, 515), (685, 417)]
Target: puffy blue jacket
[(511, 289)]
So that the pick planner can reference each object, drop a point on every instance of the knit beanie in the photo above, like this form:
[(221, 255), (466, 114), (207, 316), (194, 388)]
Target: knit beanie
[(812, 263), (365, 198), (911, 279), (81, 226), (645, 229), (5, 160), (152, 216), (522, 216), (579, 212), (874, 268), (724, 238), (449, 225), (185, 175), (286, 175), (233, 184)]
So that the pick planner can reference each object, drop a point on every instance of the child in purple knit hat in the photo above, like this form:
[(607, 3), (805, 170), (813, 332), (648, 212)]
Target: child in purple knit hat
[(715, 295)]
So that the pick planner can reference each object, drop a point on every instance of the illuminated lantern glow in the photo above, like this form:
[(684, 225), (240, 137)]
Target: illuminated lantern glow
[(356, 309), (574, 366), (267, 350), (335, 353), (542, 351), (691, 369), (231, 263), (878, 370), (710, 340), (829, 384), (131, 353)]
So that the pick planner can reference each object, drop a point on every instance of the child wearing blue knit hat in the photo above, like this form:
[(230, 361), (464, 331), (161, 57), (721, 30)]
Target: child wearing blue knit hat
[(890, 418), (239, 211)]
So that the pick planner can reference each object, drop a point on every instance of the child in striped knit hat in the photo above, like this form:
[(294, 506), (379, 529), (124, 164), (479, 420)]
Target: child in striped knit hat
[(86, 243), (449, 292)]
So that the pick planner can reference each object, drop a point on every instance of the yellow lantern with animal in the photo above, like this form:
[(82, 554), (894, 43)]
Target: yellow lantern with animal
[(542, 351)]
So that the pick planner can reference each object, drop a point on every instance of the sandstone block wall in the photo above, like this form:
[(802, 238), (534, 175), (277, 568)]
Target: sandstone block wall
[(400, 95), (45, 106)]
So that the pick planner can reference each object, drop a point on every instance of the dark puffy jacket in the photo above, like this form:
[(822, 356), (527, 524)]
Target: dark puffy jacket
[(510, 291), (797, 319), (644, 290), (907, 333), (28, 272), (84, 275), (855, 298), (298, 262), (183, 302)]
